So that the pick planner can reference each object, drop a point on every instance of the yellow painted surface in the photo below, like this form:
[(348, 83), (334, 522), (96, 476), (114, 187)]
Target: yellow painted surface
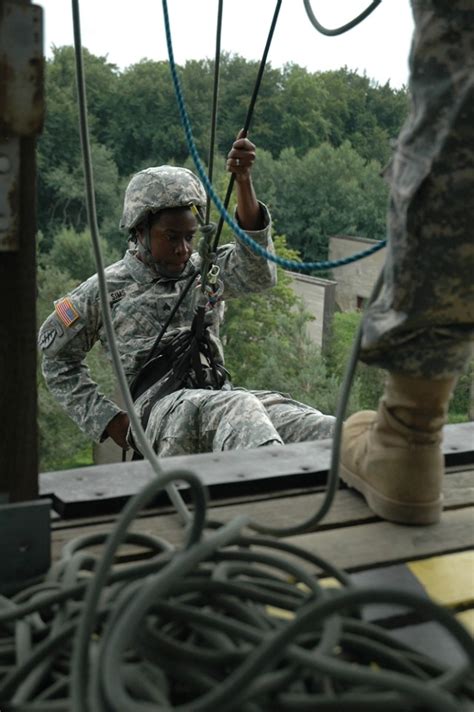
[(467, 619), (448, 579)]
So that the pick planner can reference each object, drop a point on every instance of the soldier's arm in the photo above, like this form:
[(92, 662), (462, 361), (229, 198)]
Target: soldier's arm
[(241, 269), (64, 339)]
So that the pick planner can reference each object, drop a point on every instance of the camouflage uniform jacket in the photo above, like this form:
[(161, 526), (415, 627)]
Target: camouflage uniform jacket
[(140, 302)]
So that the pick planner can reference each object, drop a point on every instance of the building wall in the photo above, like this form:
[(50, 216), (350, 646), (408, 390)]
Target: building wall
[(318, 296), (356, 280)]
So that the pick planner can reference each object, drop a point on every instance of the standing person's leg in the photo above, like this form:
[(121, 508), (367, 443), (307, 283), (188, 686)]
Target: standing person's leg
[(193, 421), (295, 422), (420, 326)]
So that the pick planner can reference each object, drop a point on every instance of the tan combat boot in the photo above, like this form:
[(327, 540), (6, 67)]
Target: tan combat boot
[(393, 456)]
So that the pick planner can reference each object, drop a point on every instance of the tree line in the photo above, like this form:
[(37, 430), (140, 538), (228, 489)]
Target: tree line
[(322, 141)]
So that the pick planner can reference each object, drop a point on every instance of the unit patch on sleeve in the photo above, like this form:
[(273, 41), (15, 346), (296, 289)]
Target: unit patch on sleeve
[(51, 329), (66, 311), (47, 337)]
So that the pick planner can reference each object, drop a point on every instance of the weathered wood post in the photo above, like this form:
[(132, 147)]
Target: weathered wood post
[(21, 118)]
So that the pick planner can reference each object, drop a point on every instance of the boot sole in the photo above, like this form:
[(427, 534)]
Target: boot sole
[(393, 510)]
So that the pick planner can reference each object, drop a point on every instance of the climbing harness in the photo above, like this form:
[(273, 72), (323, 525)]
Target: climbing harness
[(185, 361)]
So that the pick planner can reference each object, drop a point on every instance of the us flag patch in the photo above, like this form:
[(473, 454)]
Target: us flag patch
[(66, 312)]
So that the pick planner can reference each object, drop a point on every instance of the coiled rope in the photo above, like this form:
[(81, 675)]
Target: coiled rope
[(254, 246), (228, 622)]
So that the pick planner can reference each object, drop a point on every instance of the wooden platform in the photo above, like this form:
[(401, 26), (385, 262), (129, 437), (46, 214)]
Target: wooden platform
[(282, 487)]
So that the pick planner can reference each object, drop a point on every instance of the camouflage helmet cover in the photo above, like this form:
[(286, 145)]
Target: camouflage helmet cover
[(157, 188)]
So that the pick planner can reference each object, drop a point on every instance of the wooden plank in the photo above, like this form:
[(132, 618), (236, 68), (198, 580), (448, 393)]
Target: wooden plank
[(458, 492), (370, 545), (282, 510), (348, 508), (106, 487), (82, 489), (352, 547)]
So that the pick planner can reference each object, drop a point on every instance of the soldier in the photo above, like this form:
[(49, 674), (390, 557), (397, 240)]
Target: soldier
[(420, 326), (161, 210)]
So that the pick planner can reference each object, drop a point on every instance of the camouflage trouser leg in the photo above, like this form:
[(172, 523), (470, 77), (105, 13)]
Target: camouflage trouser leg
[(193, 421), (422, 322), (295, 422)]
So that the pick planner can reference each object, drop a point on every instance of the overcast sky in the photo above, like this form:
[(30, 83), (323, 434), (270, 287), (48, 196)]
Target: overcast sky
[(127, 31)]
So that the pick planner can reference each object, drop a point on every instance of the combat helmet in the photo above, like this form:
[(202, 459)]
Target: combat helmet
[(157, 188)]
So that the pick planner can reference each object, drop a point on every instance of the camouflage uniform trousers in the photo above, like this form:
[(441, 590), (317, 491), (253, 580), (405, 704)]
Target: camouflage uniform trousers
[(422, 322), (198, 420)]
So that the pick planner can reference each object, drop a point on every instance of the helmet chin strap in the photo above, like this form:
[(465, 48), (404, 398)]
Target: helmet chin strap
[(144, 247)]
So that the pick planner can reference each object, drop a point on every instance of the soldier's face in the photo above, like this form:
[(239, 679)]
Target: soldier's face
[(171, 239)]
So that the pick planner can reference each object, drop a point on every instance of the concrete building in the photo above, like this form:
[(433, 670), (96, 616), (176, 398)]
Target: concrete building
[(355, 281), (319, 297)]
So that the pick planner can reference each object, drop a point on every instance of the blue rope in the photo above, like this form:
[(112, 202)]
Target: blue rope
[(254, 246)]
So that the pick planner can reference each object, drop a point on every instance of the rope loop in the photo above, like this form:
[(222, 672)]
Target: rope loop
[(343, 28)]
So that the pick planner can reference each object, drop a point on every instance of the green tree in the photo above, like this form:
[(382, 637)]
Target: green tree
[(65, 203), (362, 112), (146, 129), (330, 191), (72, 254), (368, 382), (60, 175), (301, 123)]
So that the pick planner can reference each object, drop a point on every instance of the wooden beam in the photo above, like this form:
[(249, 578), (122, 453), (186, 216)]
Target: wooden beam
[(102, 488), (21, 77)]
